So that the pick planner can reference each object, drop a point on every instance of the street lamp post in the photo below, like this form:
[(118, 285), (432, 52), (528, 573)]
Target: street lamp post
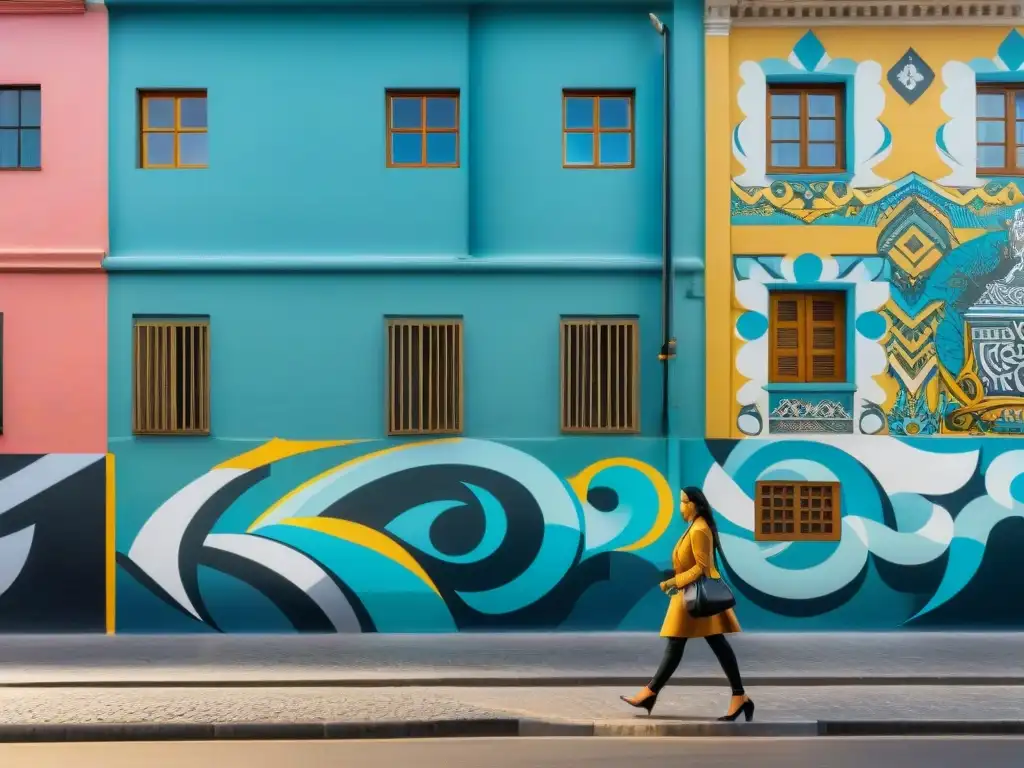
[(668, 345)]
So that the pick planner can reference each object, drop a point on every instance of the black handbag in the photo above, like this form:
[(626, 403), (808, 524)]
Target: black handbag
[(706, 596)]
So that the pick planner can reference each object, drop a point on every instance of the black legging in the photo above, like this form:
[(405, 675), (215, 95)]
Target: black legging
[(674, 654)]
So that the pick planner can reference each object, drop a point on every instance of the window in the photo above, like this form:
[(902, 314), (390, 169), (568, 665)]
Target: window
[(174, 130), (424, 371), (171, 387), (20, 120), (805, 132), (808, 335), (600, 375), (1000, 121), (423, 129), (597, 129), (794, 511)]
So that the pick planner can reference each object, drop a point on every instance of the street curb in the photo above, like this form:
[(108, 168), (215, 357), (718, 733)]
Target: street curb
[(536, 681), (496, 728)]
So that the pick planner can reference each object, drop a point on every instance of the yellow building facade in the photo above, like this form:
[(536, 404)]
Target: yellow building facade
[(875, 152)]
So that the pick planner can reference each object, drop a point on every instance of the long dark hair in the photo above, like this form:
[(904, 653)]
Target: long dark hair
[(703, 510)]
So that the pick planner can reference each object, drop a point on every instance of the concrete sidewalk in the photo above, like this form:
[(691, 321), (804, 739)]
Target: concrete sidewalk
[(410, 712), (475, 660)]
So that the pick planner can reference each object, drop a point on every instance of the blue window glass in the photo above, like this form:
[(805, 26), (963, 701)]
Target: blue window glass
[(193, 149), (10, 108), (158, 149), (8, 148), (31, 108), (441, 112), (159, 112), (407, 148), (193, 112), (579, 149), (614, 112), (407, 112), (579, 112), (615, 149), (441, 148), (31, 151)]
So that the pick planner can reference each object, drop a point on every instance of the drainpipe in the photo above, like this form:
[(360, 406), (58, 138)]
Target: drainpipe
[(668, 343)]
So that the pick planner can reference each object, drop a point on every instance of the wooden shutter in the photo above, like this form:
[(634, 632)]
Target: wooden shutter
[(788, 328), (826, 334)]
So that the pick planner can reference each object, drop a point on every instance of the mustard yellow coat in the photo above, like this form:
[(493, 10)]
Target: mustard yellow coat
[(691, 558)]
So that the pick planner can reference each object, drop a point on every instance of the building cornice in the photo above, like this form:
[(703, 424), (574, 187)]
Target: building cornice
[(41, 7), (857, 13), (49, 260)]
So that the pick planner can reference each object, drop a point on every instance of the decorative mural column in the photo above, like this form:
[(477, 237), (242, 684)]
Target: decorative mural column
[(718, 252)]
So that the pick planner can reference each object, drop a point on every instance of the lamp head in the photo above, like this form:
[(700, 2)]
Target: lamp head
[(657, 23)]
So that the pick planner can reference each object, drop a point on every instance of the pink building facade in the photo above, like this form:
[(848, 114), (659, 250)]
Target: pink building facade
[(55, 517), (53, 226)]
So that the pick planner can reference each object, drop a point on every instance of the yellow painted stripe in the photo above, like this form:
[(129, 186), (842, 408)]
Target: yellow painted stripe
[(326, 473), (364, 537), (111, 561), (277, 449)]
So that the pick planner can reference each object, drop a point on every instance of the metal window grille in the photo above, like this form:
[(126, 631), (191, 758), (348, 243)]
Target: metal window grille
[(424, 375), (600, 375), (797, 511), (172, 377)]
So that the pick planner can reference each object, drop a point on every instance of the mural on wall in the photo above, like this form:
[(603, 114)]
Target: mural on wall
[(431, 536), (53, 543), (931, 536), (464, 534), (810, 62)]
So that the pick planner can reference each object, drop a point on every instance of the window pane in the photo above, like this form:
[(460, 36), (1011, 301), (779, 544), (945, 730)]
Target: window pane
[(9, 108), (821, 155), (991, 157), (615, 149), (991, 132), (614, 112), (441, 113), (821, 130), (159, 148), (159, 113), (1018, 97), (440, 148), (786, 155), (785, 105), (783, 130), (579, 112), (1020, 157), (30, 108), (193, 148), (193, 113), (1020, 133), (991, 104), (821, 105), (30, 149), (8, 148), (407, 148), (406, 112), (579, 149)]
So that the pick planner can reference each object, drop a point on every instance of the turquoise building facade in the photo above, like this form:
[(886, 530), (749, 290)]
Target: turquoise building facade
[(297, 242)]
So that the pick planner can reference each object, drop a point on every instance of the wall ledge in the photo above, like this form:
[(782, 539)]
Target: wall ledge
[(41, 7), (50, 260), (389, 263), (856, 13)]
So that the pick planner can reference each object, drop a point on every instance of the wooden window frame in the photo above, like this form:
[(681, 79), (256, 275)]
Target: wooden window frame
[(400, 93), (390, 375), (204, 417), (597, 130), (1009, 121), (797, 536), (176, 130), (803, 91), (805, 332), (633, 407), (19, 89)]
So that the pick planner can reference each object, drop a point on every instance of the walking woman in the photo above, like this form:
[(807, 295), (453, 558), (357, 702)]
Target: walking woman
[(692, 559)]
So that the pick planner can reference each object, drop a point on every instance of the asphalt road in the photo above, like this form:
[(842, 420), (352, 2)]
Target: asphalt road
[(820, 752)]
